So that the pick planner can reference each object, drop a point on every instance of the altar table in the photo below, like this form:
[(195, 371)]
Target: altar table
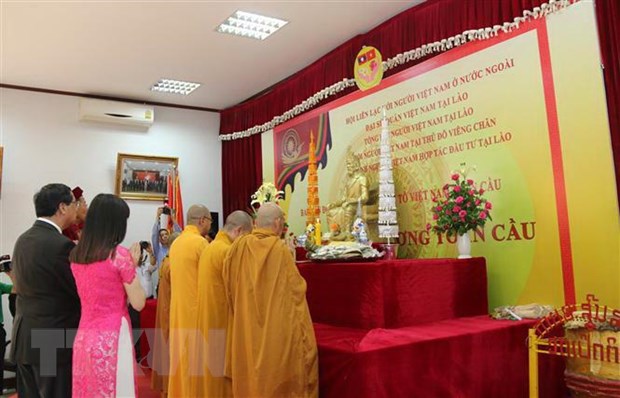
[(395, 293), (417, 328)]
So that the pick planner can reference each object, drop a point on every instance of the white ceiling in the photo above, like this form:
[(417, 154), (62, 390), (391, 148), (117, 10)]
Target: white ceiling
[(120, 49)]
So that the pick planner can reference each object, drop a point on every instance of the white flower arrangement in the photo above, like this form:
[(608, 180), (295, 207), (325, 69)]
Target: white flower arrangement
[(267, 192)]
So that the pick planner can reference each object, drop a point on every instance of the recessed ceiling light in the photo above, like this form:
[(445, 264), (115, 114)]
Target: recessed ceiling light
[(175, 86), (255, 26)]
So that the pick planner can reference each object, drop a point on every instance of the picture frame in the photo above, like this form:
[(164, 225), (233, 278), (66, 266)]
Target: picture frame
[(143, 177)]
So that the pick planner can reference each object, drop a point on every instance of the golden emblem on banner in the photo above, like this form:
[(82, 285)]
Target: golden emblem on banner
[(368, 68)]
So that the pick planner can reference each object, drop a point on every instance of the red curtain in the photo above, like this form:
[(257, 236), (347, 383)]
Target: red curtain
[(608, 19), (428, 22), (242, 172)]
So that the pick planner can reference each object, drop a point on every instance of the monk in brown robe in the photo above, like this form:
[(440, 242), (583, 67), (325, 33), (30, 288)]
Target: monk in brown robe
[(271, 349)]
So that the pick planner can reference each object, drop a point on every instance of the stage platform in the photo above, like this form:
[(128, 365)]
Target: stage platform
[(417, 328), (413, 328)]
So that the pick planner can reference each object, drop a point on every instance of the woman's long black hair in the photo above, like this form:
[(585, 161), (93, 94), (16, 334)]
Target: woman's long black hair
[(105, 228)]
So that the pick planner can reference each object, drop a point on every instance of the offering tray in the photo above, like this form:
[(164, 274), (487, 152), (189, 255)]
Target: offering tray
[(349, 253), (345, 260)]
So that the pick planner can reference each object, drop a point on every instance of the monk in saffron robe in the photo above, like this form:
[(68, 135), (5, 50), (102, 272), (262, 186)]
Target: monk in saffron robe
[(184, 257), (213, 309), (161, 350), (271, 349)]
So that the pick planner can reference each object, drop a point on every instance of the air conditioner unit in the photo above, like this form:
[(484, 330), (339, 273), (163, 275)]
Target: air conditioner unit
[(116, 112)]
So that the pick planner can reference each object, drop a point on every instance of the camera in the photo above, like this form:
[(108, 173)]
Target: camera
[(5, 263), (144, 245), (166, 210)]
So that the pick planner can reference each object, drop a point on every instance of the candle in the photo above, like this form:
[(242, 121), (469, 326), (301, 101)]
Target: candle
[(317, 232)]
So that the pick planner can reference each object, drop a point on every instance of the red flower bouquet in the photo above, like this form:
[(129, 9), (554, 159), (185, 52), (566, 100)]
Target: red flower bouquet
[(462, 207)]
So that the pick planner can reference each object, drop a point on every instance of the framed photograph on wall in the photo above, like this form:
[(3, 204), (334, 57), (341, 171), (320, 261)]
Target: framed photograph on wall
[(143, 177)]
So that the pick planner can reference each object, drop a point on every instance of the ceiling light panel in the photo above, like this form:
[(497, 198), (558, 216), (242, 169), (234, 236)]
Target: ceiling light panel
[(250, 25), (175, 86)]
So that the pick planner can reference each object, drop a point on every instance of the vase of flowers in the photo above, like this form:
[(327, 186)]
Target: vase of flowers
[(463, 245), (462, 208)]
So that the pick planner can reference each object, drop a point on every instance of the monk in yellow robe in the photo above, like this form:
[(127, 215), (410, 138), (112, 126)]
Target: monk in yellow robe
[(161, 351), (184, 257), (213, 309), (271, 349)]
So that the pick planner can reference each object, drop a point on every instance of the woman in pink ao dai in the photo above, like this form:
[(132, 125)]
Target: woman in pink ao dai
[(105, 275)]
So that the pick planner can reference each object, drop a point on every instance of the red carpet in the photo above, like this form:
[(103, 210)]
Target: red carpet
[(144, 385)]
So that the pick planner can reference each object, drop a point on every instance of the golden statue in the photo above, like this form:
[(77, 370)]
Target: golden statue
[(342, 212)]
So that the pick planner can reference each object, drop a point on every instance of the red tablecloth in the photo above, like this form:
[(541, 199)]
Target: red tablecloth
[(471, 357), (416, 328), (395, 293)]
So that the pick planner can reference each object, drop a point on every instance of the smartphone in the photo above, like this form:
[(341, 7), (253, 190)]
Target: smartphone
[(5, 263)]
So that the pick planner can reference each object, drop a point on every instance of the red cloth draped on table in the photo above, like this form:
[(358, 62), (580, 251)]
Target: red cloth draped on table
[(463, 357), (396, 293), (431, 21), (417, 328)]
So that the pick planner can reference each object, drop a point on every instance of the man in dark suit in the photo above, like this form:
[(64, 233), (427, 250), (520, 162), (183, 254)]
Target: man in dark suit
[(48, 306)]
